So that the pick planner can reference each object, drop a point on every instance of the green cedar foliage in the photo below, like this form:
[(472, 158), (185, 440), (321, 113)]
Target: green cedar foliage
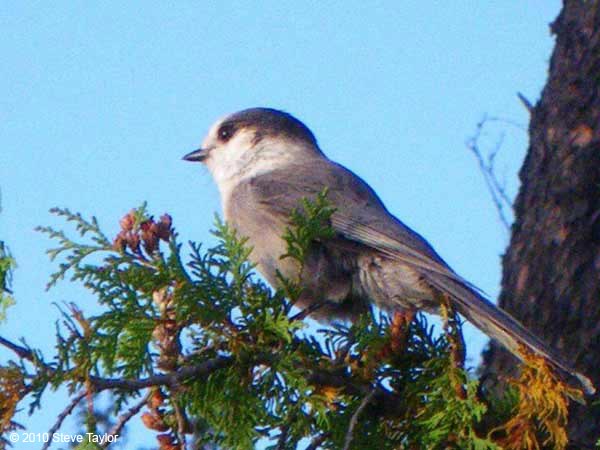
[(198, 346)]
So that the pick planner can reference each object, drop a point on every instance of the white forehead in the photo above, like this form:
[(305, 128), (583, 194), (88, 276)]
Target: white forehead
[(214, 128)]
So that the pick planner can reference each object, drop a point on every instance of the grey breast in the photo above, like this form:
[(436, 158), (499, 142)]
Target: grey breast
[(264, 232)]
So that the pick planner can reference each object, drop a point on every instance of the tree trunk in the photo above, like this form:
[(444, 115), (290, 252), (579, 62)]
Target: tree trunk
[(551, 278)]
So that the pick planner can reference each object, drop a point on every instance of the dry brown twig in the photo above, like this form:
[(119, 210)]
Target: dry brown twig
[(354, 420), (124, 418), (487, 165), (62, 416)]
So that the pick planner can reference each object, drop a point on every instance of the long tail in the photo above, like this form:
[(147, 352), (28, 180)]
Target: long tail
[(504, 328)]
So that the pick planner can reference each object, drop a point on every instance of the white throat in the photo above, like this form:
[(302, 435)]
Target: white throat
[(233, 165)]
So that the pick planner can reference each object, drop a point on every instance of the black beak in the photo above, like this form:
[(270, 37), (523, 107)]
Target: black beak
[(197, 155)]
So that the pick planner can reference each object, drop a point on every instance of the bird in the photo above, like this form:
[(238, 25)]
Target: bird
[(265, 161)]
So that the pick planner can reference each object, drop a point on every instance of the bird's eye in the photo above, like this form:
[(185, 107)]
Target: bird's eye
[(226, 132)]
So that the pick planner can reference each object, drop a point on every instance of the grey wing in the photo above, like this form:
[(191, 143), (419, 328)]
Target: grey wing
[(360, 215)]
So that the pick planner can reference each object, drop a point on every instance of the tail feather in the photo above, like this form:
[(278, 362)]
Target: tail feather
[(501, 326)]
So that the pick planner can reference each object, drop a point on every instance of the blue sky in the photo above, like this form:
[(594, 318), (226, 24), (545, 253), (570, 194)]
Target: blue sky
[(99, 101)]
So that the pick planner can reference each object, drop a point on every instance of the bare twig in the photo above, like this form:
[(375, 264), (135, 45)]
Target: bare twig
[(62, 416), (354, 420), (497, 190), (172, 379), (124, 418), (390, 402), (20, 351), (307, 311), (182, 425), (526, 103)]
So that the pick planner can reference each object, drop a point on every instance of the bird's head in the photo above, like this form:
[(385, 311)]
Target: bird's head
[(254, 141)]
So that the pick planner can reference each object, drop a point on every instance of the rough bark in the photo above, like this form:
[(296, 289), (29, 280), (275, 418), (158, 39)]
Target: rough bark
[(551, 270)]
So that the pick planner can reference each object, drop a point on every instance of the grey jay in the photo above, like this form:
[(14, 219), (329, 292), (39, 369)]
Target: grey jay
[(264, 161)]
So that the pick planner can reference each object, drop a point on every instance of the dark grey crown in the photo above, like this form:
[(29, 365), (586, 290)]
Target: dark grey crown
[(269, 122)]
